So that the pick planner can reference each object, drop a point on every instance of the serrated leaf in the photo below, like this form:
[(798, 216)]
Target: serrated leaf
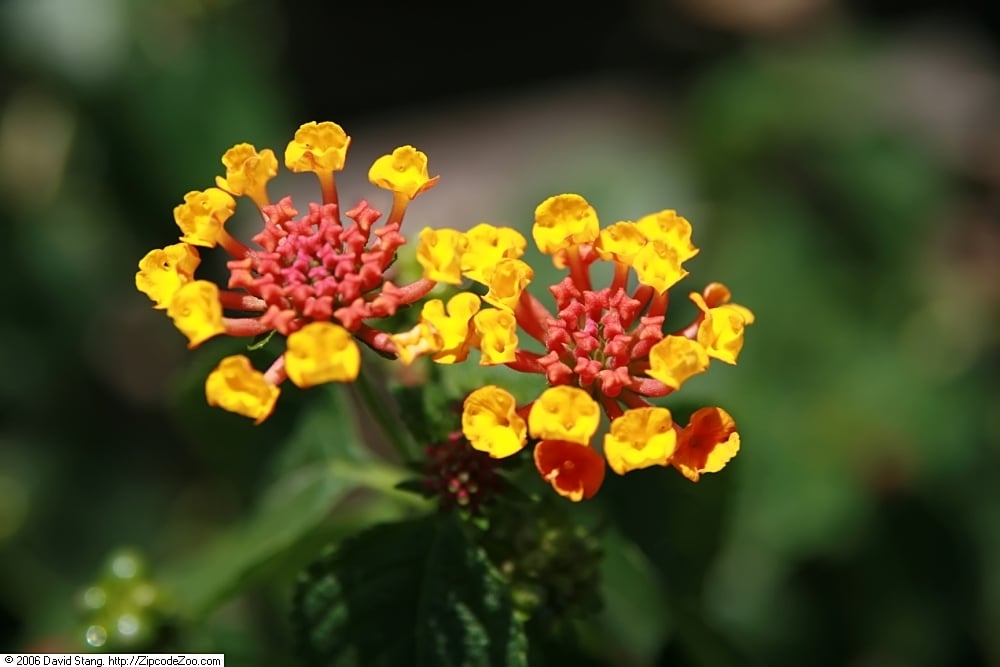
[(414, 592)]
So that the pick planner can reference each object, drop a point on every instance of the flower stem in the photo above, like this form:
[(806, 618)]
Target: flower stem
[(391, 426)]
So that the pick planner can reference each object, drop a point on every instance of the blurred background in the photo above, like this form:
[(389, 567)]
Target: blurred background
[(840, 162)]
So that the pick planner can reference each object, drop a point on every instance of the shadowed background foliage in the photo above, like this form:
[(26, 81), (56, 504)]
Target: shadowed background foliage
[(840, 162)]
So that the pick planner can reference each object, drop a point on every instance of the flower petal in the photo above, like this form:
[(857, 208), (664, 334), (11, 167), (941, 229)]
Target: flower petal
[(575, 471)]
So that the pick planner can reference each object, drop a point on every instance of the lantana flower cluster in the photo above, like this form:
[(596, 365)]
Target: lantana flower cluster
[(318, 279), (605, 349)]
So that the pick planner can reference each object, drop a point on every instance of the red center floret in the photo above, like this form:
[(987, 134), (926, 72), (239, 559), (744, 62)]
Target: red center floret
[(314, 268), (594, 338)]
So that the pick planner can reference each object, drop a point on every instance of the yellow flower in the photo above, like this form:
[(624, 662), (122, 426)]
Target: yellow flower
[(247, 172), (202, 215), (197, 312), (672, 229), (322, 352), (440, 253), (507, 280), (721, 332), (497, 330), (491, 424), (453, 326), (564, 413), (706, 444), (620, 242), (675, 359), (403, 172), (563, 222), (163, 271), (658, 265), (640, 438), (317, 147), (418, 341), (234, 385), (487, 245)]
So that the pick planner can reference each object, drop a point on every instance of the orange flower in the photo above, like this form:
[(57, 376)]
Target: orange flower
[(575, 471), (706, 444)]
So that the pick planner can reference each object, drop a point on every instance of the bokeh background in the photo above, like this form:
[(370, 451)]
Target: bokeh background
[(840, 162)]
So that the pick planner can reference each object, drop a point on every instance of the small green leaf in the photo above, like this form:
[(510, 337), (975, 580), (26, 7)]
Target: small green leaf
[(260, 340), (415, 592)]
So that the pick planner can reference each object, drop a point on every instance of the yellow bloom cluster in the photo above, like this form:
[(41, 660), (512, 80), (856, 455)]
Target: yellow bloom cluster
[(604, 348), (490, 256), (310, 279), (320, 281)]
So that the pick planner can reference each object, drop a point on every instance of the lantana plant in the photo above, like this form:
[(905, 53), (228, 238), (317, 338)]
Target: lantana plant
[(321, 277)]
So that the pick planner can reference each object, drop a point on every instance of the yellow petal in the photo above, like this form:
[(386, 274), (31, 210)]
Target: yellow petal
[(322, 352), (487, 245), (202, 215), (440, 253), (670, 228), (675, 359), (564, 413), (491, 423), (317, 147), (197, 311), (163, 271), (497, 331), (404, 171), (564, 221), (247, 172), (418, 341), (507, 280), (453, 326), (620, 242), (235, 386), (658, 265), (640, 438), (721, 330)]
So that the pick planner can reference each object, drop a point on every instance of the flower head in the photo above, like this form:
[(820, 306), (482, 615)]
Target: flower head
[(605, 349), (318, 278), (460, 476)]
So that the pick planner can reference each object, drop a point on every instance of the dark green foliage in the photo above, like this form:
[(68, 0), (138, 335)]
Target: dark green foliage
[(676, 523), (414, 592)]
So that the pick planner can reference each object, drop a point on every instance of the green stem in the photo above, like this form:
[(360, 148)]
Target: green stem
[(377, 476), (393, 429)]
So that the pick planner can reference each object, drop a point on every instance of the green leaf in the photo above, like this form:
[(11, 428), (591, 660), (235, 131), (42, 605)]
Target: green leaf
[(696, 642), (414, 592), (294, 507), (319, 465), (676, 523), (635, 618)]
